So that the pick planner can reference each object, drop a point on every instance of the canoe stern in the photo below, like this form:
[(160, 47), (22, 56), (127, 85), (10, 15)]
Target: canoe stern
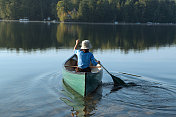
[(93, 80), (75, 81)]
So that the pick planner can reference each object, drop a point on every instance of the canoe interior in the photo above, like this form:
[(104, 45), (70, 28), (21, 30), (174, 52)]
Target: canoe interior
[(73, 62)]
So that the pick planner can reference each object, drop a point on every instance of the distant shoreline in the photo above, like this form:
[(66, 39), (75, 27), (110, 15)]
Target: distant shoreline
[(93, 23)]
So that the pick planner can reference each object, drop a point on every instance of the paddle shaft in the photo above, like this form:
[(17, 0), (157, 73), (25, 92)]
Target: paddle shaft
[(105, 69)]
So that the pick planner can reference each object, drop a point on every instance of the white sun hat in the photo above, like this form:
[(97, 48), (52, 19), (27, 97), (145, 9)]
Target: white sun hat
[(86, 44)]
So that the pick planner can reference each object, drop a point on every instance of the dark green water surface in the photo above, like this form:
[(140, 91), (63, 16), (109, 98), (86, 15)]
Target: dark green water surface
[(31, 58)]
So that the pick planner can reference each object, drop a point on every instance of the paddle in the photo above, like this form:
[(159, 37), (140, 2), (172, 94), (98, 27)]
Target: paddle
[(117, 81)]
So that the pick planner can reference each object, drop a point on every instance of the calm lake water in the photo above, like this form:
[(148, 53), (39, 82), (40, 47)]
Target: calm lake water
[(31, 58)]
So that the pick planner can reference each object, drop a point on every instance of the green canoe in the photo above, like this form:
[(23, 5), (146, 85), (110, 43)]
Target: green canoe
[(82, 82)]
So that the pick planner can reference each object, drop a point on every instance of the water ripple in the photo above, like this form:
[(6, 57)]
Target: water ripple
[(141, 94)]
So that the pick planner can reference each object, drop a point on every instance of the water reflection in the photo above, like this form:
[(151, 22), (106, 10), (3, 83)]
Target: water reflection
[(121, 36), (42, 36), (27, 36), (82, 106)]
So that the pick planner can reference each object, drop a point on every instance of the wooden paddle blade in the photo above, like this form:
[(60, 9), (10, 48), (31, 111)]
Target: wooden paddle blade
[(117, 81)]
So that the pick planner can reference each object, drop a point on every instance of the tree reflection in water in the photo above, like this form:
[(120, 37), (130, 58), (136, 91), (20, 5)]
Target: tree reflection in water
[(41, 36), (124, 37)]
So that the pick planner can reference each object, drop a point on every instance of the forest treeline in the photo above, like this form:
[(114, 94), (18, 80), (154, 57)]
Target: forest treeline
[(162, 11), (117, 10), (32, 9)]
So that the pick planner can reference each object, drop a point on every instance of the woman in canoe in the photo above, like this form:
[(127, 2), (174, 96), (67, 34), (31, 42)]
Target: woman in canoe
[(84, 56)]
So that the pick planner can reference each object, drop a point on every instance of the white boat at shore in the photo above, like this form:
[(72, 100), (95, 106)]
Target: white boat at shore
[(24, 20)]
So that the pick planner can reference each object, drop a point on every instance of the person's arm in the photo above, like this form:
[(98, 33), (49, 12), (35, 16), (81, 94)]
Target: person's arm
[(76, 45), (93, 61)]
